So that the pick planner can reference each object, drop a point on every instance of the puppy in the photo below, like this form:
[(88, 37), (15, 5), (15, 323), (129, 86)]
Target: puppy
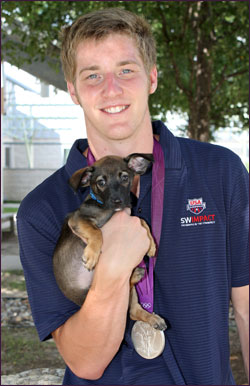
[(74, 260)]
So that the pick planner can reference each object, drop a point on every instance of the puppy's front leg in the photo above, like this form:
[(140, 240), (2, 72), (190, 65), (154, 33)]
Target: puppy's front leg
[(138, 313), (89, 233), (152, 247)]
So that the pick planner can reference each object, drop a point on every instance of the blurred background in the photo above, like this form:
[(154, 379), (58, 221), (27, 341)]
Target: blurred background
[(203, 80), (203, 92)]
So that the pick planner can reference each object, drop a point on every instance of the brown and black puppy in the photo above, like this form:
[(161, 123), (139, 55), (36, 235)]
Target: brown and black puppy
[(79, 245)]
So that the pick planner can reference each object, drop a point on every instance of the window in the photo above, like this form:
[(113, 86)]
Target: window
[(7, 157)]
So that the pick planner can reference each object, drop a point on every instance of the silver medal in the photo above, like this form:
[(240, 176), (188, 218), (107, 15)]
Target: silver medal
[(148, 342)]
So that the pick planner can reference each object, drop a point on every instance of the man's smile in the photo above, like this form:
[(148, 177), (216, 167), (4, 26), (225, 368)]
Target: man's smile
[(115, 109)]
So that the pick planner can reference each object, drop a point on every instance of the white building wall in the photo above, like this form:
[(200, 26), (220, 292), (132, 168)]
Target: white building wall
[(47, 156), (18, 156), (19, 182)]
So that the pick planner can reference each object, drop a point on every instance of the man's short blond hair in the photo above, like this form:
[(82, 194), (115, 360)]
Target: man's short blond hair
[(100, 24)]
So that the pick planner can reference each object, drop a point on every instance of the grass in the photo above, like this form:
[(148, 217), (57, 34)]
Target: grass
[(10, 210), (13, 280), (17, 272), (20, 286), (21, 347), (22, 350), (12, 206)]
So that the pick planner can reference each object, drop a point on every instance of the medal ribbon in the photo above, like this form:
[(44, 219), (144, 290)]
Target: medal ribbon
[(145, 287)]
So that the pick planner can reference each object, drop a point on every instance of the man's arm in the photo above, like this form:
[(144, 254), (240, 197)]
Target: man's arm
[(89, 339), (240, 300)]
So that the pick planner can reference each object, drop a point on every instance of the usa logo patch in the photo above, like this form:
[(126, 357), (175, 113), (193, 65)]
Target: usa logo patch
[(196, 205)]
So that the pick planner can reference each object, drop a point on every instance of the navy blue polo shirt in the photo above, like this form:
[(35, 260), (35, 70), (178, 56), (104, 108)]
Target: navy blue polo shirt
[(203, 254)]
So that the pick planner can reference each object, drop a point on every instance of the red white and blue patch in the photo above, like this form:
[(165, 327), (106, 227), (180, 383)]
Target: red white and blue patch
[(196, 205)]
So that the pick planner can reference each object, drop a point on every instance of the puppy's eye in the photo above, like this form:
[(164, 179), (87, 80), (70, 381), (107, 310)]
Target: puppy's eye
[(101, 183), (124, 177)]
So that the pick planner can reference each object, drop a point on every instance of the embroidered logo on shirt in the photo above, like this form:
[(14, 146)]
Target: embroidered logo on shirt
[(197, 206)]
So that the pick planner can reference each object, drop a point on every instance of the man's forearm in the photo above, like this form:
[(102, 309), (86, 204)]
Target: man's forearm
[(89, 339), (240, 300), (243, 329)]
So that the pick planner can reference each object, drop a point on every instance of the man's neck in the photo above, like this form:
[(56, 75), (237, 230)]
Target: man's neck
[(120, 148)]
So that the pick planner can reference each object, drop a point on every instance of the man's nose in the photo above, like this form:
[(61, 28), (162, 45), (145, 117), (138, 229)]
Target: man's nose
[(111, 86)]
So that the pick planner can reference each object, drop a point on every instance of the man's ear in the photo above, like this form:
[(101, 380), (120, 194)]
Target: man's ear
[(153, 80), (73, 94), (139, 162), (81, 177)]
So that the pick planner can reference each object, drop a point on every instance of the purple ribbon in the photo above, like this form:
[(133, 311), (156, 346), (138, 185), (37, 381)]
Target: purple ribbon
[(90, 157), (145, 287)]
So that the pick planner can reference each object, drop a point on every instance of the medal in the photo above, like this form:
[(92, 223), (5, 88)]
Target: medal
[(148, 342)]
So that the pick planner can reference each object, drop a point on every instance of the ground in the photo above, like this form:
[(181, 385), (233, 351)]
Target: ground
[(22, 350)]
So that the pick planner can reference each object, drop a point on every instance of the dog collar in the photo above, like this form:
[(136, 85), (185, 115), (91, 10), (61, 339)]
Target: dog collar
[(94, 197)]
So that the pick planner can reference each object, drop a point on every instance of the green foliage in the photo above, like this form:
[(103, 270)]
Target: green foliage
[(177, 27)]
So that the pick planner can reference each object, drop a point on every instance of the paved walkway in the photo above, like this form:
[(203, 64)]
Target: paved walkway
[(10, 259)]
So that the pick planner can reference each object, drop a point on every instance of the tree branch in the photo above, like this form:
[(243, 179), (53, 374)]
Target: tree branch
[(176, 69), (225, 77), (184, 26)]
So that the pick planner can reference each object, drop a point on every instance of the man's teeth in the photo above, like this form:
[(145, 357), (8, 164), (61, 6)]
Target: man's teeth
[(116, 109)]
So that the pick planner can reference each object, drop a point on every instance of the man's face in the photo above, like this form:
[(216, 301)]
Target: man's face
[(112, 87)]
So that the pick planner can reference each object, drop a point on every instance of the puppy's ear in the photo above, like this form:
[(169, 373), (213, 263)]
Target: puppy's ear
[(139, 162), (81, 177)]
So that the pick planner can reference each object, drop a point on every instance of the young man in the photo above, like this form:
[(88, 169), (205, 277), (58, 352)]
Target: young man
[(109, 61)]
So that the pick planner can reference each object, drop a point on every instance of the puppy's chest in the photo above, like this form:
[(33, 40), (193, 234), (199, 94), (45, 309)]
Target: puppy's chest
[(97, 215)]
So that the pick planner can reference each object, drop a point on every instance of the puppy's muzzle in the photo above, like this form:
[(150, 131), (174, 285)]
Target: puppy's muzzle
[(117, 203)]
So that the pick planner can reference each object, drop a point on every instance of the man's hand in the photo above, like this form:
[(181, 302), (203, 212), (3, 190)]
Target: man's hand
[(125, 242)]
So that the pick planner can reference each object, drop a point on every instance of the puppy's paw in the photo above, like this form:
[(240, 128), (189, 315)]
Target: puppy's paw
[(157, 322), (152, 249), (90, 258), (137, 275)]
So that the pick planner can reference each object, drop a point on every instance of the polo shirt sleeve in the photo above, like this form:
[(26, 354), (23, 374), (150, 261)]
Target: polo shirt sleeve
[(239, 229), (37, 239)]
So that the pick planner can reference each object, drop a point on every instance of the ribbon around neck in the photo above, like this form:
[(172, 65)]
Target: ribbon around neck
[(145, 287)]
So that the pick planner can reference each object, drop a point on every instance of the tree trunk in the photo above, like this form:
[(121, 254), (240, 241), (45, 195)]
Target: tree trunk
[(200, 102)]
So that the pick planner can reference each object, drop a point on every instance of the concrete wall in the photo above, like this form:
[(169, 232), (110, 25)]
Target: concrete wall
[(44, 155), (17, 183), (48, 155)]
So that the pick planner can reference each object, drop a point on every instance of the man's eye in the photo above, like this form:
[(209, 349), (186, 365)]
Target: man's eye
[(92, 76), (126, 71)]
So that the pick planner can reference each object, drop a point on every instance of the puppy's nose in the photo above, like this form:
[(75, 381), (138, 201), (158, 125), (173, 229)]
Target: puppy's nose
[(116, 201)]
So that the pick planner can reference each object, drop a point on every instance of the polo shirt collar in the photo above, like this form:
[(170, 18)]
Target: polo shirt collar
[(170, 145), (76, 160)]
